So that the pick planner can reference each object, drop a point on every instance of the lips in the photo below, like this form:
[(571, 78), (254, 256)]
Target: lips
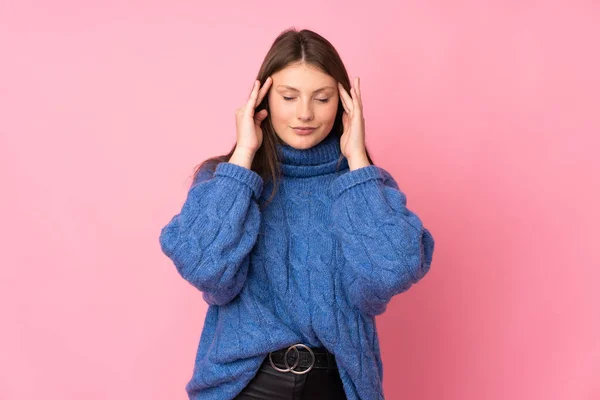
[(304, 131)]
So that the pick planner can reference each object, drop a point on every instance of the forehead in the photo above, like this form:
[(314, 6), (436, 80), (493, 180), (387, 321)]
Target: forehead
[(302, 77)]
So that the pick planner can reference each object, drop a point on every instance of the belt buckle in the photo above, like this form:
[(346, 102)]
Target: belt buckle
[(291, 369)]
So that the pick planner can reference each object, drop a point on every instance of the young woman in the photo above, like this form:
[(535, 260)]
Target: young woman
[(296, 239)]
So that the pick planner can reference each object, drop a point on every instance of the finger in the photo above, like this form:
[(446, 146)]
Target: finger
[(357, 90), (263, 91), (355, 103), (252, 99), (346, 99), (345, 118), (253, 87), (260, 116), (353, 96), (344, 104)]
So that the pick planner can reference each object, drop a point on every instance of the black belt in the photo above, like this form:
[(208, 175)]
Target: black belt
[(299, 359)]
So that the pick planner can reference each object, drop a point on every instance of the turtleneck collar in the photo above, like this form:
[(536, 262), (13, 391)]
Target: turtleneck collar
[(320, 159)]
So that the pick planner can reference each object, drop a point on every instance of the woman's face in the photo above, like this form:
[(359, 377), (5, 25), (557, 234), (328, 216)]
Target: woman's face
[(302, 96)]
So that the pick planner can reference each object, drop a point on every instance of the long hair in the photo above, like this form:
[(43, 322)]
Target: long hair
[(290, 47)]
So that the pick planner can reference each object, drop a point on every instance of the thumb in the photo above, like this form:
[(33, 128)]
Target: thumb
[(260, 116)]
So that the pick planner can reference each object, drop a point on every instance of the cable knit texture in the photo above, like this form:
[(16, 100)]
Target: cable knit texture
[(315, 266)]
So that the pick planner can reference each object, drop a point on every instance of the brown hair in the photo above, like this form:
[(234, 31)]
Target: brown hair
[(290, 47)]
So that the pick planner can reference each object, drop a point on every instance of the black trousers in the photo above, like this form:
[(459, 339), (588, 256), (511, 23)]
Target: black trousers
[(316, 384)]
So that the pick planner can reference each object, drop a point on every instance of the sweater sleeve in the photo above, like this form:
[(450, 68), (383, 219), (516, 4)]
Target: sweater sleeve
[(385, 246), (210, 240)]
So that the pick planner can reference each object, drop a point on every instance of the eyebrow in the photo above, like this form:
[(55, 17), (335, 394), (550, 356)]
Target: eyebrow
[(296, 90)]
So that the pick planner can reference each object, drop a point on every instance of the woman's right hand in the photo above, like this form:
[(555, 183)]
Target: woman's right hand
[(249, 132)]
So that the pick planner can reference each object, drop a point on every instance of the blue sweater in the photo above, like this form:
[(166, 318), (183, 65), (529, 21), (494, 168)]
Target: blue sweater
[(315, 266)]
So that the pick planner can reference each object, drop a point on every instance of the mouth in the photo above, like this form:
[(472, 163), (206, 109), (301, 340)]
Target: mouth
[(304, 130)]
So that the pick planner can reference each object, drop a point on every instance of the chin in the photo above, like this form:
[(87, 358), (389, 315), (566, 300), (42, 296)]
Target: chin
[(304, 142)]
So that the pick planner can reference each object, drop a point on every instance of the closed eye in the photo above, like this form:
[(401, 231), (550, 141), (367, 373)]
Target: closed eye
[(292, 98)]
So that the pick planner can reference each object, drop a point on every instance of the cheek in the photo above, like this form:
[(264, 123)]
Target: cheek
[(328, 113), (281, 112)]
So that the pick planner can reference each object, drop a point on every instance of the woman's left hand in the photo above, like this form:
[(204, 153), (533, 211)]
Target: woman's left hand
[(352, 142)]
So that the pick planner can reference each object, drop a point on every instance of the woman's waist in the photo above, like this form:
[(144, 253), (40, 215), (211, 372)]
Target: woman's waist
[(300, 358)]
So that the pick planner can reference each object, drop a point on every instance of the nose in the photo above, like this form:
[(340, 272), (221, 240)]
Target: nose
[(305, 112)]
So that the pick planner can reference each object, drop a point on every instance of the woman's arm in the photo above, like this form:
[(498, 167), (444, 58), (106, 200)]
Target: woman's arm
[(210, 240), (385, 245)]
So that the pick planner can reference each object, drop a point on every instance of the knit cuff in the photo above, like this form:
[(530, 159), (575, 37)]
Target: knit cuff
[(242, 174), (355, 177)]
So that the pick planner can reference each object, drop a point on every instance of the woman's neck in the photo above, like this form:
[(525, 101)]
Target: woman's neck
[(320, 159)]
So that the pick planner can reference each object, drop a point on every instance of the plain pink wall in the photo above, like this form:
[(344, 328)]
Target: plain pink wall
[(486, 113)]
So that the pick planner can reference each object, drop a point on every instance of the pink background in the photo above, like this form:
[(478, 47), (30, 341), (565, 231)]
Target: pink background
[(485, 113)]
